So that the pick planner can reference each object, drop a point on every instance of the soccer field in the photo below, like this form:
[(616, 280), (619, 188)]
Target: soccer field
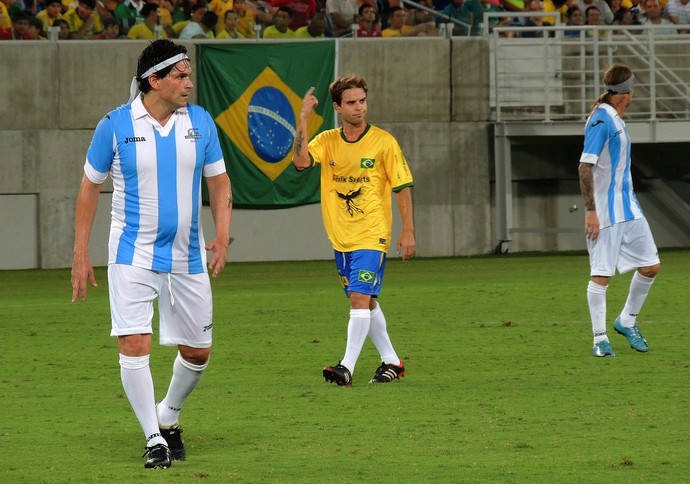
[(500, 386)]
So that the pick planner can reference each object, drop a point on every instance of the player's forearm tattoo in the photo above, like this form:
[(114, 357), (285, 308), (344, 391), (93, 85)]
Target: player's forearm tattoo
[(300, 142), (587, 186)]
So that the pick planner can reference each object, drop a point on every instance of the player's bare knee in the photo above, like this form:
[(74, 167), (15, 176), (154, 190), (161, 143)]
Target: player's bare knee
[(195, 356), (135, 344), (650, 271)]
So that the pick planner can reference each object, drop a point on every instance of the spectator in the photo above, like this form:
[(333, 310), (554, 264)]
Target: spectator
[(653, 18), (150, 28), (246, 19), (314, 29), (593, 17), (219, 7), (472, 13), (197, 12), (536, 21), (623, 16), (165, 9), (454, 10), (129, 13), (50, 14), (604, 11), (5, 20), (614, 5), (557, 6), (575, 18), (202, 29), (302, 11), (182, 10), (280, 28), (368, 23), (343, 15), (418, 23), (35, 29), (230, 29), (111, 30), (19, 29), (679, 13), (398, 28), (63, 33), (83, 21)]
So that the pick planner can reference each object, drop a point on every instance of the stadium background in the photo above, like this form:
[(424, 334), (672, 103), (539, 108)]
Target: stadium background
[(432, 94)]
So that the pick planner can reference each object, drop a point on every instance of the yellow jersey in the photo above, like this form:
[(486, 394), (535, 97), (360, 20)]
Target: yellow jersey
[(356, 183)]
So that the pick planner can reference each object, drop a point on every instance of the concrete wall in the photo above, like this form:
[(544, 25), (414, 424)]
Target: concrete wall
[(432, 94), (59, 91)]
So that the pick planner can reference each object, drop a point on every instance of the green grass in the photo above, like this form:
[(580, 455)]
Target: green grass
[(501, 386)]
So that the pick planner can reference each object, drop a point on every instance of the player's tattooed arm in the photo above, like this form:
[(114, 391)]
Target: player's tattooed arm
[(587, 186), (300, 156)]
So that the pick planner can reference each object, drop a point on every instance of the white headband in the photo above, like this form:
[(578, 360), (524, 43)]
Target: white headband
[(134, 85)]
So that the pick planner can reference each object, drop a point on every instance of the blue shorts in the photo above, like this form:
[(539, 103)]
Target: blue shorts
[(361, 271)]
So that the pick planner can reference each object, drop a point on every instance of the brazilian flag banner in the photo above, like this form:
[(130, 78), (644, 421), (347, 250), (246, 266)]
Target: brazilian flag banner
[(254, 93)]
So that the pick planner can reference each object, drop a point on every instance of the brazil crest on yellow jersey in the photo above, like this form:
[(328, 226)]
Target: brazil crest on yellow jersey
[(357, 179)]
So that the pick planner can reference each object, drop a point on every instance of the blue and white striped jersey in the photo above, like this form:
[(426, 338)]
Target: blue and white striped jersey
[(156, 172), (607, 146)]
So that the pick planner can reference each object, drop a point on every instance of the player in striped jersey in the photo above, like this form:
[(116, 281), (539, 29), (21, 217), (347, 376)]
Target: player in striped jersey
[(361, 166), (618, 235), (156, 148)]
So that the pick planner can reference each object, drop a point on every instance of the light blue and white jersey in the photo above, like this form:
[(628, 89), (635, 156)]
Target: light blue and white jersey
[(607, 147), (156, 172)]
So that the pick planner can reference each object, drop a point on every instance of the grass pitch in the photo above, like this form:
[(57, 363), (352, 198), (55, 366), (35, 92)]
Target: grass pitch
[(500, 387)]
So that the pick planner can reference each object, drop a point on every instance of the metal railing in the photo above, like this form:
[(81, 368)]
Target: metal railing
[(558, 76)]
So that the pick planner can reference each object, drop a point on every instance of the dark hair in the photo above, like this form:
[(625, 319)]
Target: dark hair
[(363, 6), (343, 83), (571, 10), (110, 21), (393, 10), (147, 9), (225, 17), (157, 51), (209, 20), (36, 22), (89, 3)]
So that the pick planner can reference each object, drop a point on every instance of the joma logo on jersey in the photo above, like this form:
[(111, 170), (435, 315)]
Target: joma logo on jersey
[(365, 276), (367, 163), (192, 134), (134, 139)]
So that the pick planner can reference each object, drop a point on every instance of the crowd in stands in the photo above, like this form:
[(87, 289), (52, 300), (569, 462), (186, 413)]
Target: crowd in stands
[(285, 19)]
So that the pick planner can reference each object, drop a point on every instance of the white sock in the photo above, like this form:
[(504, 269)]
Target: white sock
[(596, 297), (138, 384), (379, 335), (185, 378), (357, 330), (639, 288)]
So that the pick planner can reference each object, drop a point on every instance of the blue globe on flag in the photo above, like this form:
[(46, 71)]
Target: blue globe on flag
[(271, 124)]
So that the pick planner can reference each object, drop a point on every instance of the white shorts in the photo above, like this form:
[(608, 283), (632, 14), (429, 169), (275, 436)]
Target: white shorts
[(625, 246), (185, 305)]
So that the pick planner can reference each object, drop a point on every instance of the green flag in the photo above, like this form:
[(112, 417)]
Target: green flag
[(254, 93)]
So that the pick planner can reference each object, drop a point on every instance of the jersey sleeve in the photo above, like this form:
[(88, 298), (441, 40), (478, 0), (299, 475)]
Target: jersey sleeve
[(99, 156), (596, 135), (317, 149), (397, 167), (213, 153)]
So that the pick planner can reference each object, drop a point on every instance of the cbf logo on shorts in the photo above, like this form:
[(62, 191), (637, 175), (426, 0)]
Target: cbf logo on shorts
[(262, 123), (366, 276), (367, 163)]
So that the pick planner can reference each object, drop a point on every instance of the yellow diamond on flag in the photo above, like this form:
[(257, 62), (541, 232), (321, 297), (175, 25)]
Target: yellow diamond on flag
[(262, 123)]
